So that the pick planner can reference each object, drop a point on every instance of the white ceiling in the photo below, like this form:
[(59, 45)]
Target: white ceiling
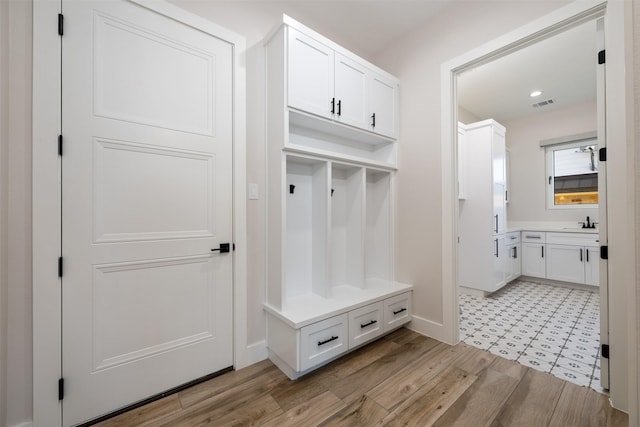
[(365, 27), (563, 66)]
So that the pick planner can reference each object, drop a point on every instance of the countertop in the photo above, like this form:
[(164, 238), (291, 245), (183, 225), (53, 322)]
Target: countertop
[(559, 227)]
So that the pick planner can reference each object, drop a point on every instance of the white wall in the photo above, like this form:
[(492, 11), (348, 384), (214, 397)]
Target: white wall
[(18, 231), (634, 339), (465, 116), (527, 180), (416, 60)]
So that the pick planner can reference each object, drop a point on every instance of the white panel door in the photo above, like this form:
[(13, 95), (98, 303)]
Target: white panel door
[(310, 75), (146, 196), (565, 263), (351, 92), (383, 106)]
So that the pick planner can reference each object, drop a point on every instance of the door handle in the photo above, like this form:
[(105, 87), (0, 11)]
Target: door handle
[(373, 117), (333, 105), (542, 247), (587, 255), (223, 249), (497, 254), (339, 107), (580, 254)]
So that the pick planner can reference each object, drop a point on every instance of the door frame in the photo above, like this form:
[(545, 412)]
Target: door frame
[(622, 269), (47, 329)]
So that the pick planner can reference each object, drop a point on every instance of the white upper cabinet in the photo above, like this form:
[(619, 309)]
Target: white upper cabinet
[(330, 82), (311, 75), (351, 94), (383, 106)]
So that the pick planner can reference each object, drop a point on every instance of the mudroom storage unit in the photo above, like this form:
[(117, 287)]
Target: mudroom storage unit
[(330, 170)]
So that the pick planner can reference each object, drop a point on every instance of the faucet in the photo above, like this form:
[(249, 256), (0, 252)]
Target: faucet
[(588, 224)]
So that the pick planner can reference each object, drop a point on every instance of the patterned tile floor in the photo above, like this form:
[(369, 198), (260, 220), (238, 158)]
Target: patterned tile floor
[(548, 328)]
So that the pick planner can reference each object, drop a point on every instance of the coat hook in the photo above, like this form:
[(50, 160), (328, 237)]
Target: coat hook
[(291, 188)]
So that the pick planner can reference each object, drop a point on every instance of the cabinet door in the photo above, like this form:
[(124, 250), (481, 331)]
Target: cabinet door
[(592, 265), (533, 261), (351, 92), (517, 260), (498, 177), (565, 263), (310, 75), (383, 106), (500, 262)]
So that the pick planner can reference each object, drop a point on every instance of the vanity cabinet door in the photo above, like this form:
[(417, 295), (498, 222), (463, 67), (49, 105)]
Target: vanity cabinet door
[(565, 263)]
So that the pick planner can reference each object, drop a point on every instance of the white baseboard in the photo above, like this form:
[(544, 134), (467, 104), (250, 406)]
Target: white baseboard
[(428, 327)]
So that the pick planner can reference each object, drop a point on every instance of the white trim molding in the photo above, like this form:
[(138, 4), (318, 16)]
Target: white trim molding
[(46, 199)]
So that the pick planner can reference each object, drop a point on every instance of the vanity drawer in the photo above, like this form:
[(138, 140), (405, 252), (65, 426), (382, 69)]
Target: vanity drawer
[(365, 323), (533, 236), (513, 237), (323, 340), (397, 311)]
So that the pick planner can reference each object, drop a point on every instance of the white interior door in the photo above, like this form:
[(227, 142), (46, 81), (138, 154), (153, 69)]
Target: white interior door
[(146, 195)]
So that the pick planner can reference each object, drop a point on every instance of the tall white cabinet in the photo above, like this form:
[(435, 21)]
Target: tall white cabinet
[(331, 159), (484, 260)]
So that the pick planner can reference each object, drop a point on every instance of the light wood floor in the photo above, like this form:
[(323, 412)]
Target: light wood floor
[(402, 379)]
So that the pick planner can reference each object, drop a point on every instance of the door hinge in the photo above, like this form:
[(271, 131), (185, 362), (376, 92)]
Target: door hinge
[(59, 145), (601, 57), (59, 266), (605, 351), (604, 252), (60, 24), (602, 154), (60, 388)]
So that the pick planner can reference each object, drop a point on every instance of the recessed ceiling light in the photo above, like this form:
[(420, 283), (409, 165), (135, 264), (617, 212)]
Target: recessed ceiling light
[(535, 93)]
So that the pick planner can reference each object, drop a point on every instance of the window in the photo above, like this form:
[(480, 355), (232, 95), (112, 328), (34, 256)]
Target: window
[(572, 170)]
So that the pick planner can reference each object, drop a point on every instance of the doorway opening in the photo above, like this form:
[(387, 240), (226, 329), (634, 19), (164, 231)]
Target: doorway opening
[(498, 316)]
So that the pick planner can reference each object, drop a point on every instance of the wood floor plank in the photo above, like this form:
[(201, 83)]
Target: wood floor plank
[(310, 413), (145, 414), (432, 400), (537, 390), (617, 418), (217, 385), (414, 375), (354, 386), (257, 413), (580, 407), (474, 360), (402, 336), (226, 402), (480, 403), (293, 393), (364, 412)]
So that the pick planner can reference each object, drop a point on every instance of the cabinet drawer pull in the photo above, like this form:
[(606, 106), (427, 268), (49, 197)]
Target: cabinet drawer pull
[(333, 338), (542, 247), (364, 325), (333, 105), (496, 216), (395, 312), (339, 107), (587, 255), (497, 253), (373, 116), (532, 237), (580, 254)]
